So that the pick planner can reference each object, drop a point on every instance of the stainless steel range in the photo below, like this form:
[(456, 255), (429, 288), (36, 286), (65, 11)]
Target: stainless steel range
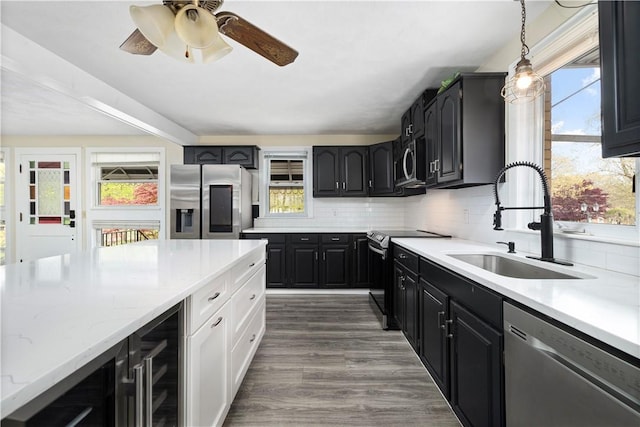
[(381, 248)]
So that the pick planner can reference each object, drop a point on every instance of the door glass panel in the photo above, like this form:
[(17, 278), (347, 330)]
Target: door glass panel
[(49, 197)]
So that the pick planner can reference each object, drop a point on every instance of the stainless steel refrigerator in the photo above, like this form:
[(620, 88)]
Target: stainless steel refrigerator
[(209, 201)]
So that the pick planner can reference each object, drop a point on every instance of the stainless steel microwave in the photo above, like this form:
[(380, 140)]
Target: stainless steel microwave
[(412, 165)]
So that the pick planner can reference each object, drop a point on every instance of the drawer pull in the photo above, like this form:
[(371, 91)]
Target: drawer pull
[(304, 239), (216, 295), (335, 239), (253, 338), (217, 322), (402, 256), (252, 264), (252, 297)]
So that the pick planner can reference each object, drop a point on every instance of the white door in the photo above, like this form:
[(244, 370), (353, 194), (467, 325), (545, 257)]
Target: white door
[(48, 203)]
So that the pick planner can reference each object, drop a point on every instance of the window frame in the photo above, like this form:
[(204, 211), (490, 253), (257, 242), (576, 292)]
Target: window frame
[(6, 215), (286, 153), (123, 216), (525, 122)]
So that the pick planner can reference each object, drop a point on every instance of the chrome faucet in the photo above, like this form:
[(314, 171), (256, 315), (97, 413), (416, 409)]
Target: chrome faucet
[(546, 219)]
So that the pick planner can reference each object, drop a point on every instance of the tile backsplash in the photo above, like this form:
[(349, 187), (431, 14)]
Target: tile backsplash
[(466, 213)]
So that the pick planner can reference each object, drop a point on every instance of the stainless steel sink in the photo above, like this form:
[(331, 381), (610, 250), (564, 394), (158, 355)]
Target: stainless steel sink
[(509, 267)]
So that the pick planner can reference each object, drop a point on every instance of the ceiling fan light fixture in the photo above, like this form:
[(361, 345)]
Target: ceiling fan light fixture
[(196, 26), (175, 47), (217, 50), (155, 22), (525, 85)]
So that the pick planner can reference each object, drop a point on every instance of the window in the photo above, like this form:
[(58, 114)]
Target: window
[(127, 194), (285, 178), (585, 187), (561, 131), (3, 231)]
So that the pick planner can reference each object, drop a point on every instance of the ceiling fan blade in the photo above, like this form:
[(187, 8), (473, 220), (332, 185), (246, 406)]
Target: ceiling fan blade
[(138, 44), (254, 38)]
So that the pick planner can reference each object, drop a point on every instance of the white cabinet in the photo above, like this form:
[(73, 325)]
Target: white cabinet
[(225, 324), (207, 377)]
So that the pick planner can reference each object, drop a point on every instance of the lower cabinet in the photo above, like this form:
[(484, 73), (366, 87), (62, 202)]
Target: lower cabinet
[(476, 369), (405, 295), (221, 341), (461, 344), (316, 260), (208, 361)]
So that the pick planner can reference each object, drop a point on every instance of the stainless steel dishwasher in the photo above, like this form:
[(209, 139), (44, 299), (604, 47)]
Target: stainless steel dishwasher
[(553, 378)]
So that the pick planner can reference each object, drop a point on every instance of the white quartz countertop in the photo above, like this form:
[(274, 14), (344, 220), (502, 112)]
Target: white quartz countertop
[(59, 313), (604, 305)]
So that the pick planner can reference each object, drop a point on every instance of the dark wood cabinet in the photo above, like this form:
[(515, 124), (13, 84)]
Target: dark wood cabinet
[(461, 343), (335, 266), (326, 260), (406, 294), (381, 172), (620, 68), (243, 155), (476, 369), (276, 262), (302, 261), (434, 348), (361, 261), (464, 132), (340, 171), (412, 121)]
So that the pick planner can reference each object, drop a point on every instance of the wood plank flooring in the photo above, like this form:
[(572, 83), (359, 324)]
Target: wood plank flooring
[(325, 361)]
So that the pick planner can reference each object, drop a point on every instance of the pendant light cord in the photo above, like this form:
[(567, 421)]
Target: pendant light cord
[(525, 49)]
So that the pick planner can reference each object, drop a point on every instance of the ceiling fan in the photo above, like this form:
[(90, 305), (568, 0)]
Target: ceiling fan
[(190, 31)]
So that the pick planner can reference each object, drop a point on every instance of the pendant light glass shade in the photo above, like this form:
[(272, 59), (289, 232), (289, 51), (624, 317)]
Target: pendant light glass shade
[(524, 86), (155, 22), (196, 26)]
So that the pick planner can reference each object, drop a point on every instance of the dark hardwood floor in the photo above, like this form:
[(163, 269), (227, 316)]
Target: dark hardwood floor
[(324, 360)]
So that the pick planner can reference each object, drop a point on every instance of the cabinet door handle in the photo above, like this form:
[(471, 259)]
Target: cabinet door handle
[(304, 239), (411, 128), (252, 297), (337, 185), (440, 316), (436, 165), (316, 253), (139, 387), (217, 322), (402, 256), (355, 247), (344, 185), (370, 184), (252, 264), (449, 322), (148, 391), (216, 295), (324, 256), (253, 338), (335, 239), (430, 167)]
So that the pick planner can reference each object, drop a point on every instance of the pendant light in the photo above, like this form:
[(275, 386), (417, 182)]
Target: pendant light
[(525, 85)]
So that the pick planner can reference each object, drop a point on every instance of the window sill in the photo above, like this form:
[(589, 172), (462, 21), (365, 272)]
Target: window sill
[(583, 236)]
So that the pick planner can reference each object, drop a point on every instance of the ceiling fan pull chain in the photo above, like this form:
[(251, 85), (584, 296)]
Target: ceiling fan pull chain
[(186, 52)]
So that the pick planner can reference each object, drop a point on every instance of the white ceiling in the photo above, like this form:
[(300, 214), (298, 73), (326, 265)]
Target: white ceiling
[(361, 64)]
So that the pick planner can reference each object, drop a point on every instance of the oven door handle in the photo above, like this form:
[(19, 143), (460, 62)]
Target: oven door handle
[(378, 251)]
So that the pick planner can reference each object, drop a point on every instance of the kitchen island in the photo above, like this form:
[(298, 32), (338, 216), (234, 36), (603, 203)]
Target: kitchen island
[(59, 313)]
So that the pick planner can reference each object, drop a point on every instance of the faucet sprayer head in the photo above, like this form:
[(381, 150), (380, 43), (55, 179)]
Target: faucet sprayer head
[(497, 219)]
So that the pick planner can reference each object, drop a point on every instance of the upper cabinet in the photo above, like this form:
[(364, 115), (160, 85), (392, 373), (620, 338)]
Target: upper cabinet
[(412, 122), (340, 171), (381, 176), (620, 68), (464, 132), (243, 155)]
